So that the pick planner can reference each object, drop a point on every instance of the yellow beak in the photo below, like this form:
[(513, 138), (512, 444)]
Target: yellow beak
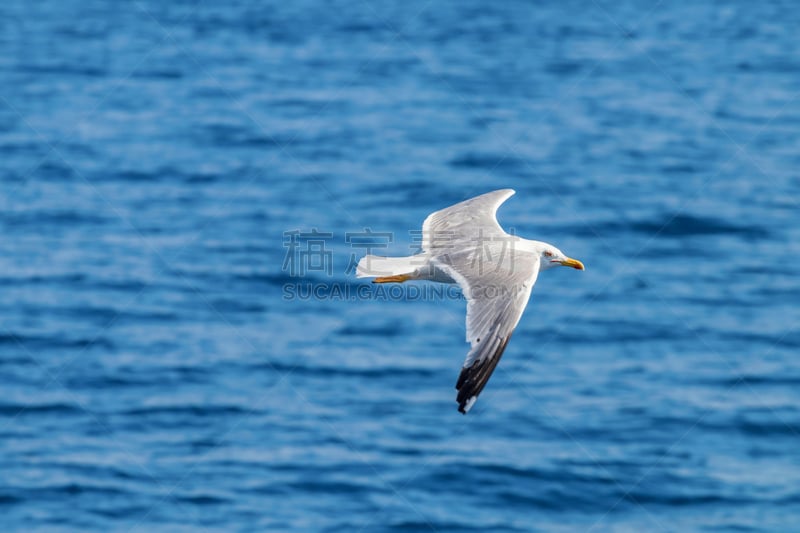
[(574, 263)]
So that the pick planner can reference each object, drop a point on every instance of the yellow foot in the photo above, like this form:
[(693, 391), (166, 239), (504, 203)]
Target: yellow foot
[(392, 279)]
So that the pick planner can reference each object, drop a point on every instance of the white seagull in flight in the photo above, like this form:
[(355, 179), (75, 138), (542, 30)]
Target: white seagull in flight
[(464, 244)]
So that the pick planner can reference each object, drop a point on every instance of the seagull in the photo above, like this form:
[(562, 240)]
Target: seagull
[(496, 271)]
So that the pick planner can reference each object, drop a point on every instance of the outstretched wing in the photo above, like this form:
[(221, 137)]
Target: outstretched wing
[(495, 303), (496, 276), (459, 225)]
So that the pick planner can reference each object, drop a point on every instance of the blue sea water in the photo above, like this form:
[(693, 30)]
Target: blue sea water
[(163, 366)]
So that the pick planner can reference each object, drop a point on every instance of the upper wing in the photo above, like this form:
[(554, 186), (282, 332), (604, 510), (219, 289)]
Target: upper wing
[(461, 224), (467, 243)]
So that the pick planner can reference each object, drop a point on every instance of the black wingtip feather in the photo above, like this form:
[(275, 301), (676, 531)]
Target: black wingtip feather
[(473, 379)]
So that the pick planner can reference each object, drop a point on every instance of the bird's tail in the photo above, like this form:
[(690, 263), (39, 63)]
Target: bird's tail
[(385, 269)]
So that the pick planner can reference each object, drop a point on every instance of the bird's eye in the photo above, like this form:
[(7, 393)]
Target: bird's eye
[(548, 253)]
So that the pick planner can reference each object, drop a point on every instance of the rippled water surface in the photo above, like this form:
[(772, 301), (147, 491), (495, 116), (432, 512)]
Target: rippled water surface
[(164, 368)]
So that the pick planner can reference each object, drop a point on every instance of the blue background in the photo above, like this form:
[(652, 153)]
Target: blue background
[(153, 376)]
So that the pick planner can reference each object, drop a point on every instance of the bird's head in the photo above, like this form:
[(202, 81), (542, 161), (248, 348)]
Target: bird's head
[(552, 256)]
